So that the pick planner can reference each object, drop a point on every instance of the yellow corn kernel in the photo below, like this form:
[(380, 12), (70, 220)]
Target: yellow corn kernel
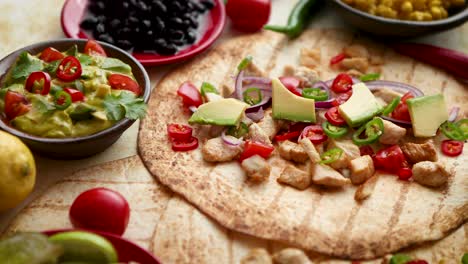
[(427, 16), (417, 16), (407, 7), (436, 13)]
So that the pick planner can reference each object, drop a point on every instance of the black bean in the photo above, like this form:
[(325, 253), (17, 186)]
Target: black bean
[(158, 7), (146, 24), (158, 24), (169, 49), (199, 7), (124, 44), (101, 18), (191, 36), (100, 28), (160, 43), (114, 24), (89, 23), (143, 7), (124, 32), (209, 4), (176, 22), (106, 38)]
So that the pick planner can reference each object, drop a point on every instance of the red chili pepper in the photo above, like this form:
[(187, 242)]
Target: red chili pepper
[(124, 82), (366, 150), (191, 144), (452, 148), (252, 148), (190, 94), (51, 54), (401, 111), (15, 105), (179, 132), (390, 159), (288, 136), (75, 95), (337, 59), (342, 83), (38, 82), (94, 48), (405, 174), (342, 98), (315, 133), (69, 69), (417, 261), (333, 116), (292, 84)]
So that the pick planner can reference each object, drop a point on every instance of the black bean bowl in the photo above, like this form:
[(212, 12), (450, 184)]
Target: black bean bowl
[(79, 147), (387, 27)]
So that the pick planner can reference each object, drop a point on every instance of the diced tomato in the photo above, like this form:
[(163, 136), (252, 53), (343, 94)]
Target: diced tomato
[(342, 83), (405, 174), (315, 133), (390, 159), (190, 94), (38, 82), (75, 95), (69, 69), (252, 148), (94, 48), (15, 105), (288, 135), (51, 54), (407, 96), (292, 83), (452, 148), (185, 145), (337, 59), (401, 111), (179, 132), (366, 150), (124, 82), (333, 116), (342, 98)]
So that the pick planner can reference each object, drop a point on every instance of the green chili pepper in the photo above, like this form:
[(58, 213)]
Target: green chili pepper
[(464, 259), (463, 125), (298, 19), (55, 88), (62, 100), (252, 100), (372, 130), (244, 63), (238, 131), (315, 93), (331, 155), (369, 77), (452, 131), (334, 131), (400, 259), (207, 87), (391, 106)]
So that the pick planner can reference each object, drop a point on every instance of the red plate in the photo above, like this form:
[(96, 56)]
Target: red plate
[(73, 11), (126, 250)]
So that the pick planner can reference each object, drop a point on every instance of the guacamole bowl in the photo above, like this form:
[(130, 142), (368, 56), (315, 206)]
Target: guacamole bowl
[(81, 146)]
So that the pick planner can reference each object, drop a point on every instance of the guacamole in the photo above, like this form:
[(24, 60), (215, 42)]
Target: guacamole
[(67, 94)]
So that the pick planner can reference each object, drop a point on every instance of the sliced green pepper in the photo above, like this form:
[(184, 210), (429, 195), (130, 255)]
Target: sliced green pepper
[(315, 93), (207, 87), (391, 106), (238, 131), (463, 125), (252, 100), (452, 131), (62, 100), (334, 131), (400, 259), (464, 259), (55, 89), (369, 77), (244, 63), (372, 130), (331, 155)]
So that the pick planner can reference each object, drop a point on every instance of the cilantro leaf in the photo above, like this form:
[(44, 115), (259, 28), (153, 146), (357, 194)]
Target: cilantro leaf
[(72, 51), (84, 59), (52, 66), (25, 65), (116, 65), (126, 104)]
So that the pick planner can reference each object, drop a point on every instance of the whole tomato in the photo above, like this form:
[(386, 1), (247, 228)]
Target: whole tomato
[(100, 209), (248, 15)]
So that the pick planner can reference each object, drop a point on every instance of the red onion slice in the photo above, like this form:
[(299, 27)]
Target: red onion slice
[(397, 86), (238, 85), (257, 80), (266, 102), (453, 114), (256, 116), (230, 140), (397, 121)]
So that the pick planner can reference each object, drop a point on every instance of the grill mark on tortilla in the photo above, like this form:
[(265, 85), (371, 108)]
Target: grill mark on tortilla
[(192, 250), (410, 74), (102, 181), (56, 207), (274, 204), (277, 50), (230, 245), (397, 209), (311, 211), (445, 193), (161, 217), (347, 228)]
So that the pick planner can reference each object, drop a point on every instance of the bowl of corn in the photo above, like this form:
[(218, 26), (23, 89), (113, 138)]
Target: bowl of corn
[(403, 18)]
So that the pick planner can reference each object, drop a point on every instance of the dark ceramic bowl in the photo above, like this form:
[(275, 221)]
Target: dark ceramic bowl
[(387, 27), (80, 147)]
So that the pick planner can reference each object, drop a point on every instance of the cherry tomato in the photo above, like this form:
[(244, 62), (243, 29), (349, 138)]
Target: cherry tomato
[(315, 133), (390, 159), (248, 15), (69, 69), (342, 83), (337, 59), (406, 96), (342, 98), (288, 136), (190, 94), (179, 132), (292, 83), (366, 150), (124, 82), (401, 112), (333, 116), (75, 95), (95, 49), (186, 145), (100, 209), (15, 105), (38, 82), (452, 148), (51, 54), (256, 148), (404, 174)]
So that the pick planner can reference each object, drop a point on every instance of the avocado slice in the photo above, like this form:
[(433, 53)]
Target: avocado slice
[(82, 112), (223, 112), (289, 106), (360, 107), (427, 114)]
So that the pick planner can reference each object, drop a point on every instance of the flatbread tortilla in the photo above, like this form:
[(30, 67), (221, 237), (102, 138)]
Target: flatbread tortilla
[(171, 228), (397, 215)]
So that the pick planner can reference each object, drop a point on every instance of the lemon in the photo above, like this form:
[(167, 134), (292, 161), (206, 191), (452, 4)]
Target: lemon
[(17, 171)]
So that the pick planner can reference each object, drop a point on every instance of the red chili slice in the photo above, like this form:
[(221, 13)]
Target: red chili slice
[(333, 116), (38, 82), (51, 54), (95, 49), (288, 136), (69, 69), (15, 105), (315, 133), (452, 148), (191, 144), (179, 132), (401, 111), (342, 98), (405, 174), (75, 95), (256, 148), (337, 59), (342, 83), (292, 84), (190, 94), (124, 82)]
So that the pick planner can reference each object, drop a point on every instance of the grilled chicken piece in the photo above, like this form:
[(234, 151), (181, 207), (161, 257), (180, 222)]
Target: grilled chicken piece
[(256, 133), (392, 133), (419, 152), (341, 163), (348, 147), (215, 150), (257, 256), (307, 76), (432, 174), (269, 125), (310, 58), (256, 168), (295, 177), (360, 64), (365, 190), (310, 149), (291, 256), (356, 51), (387, 95), (325, 175), (292, 151), (362, 169)]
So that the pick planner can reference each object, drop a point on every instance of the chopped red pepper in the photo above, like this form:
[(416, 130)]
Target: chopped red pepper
[(51, 54), (452, 148), (333, 116), (179, 132), (185, 145), (75, 95), (401, 111), (288, 135), (252, 148), (405, 174), (190, 94), (337, 59), (124, 82), (292, 84), (315, 133)]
